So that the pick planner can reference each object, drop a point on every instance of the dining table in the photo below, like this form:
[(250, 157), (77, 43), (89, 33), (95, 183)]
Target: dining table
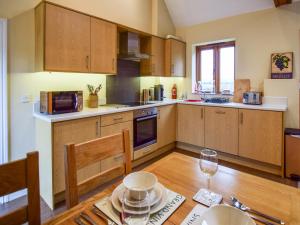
[(181, 173)]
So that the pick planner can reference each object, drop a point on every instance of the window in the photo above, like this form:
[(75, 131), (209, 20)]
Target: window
[(215, 67)]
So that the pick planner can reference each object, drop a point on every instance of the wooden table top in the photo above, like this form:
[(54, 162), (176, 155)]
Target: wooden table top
[(181, 174)]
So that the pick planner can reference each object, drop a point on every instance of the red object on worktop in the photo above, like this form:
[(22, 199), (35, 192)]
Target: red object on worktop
[(174, 92)]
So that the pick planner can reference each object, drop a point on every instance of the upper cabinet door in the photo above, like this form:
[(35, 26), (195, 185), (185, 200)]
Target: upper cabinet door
[(103, 46), (67, 40), (175, 58), (155, 65)]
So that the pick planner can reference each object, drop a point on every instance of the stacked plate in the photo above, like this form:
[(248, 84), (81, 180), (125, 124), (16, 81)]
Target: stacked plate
[(138, 182)]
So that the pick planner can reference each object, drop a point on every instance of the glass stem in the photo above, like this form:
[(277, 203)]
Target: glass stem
[(208, 183)]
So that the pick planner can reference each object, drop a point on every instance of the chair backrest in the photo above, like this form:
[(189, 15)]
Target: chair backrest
[(18, 175), (81, 155)]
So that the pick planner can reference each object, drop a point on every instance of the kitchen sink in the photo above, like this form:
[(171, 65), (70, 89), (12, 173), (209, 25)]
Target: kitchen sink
[(193, 100)]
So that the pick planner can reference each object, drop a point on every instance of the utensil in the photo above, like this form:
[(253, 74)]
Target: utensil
[(135, 211), (209, 166), (101, 215), (236, 203), (87, 218), (78, 221), (263, 221), (225, 215)]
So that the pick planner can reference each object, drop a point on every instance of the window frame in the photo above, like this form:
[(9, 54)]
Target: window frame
[(216, 47)]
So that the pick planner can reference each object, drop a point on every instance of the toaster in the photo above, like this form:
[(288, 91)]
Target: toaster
[(252, 98)]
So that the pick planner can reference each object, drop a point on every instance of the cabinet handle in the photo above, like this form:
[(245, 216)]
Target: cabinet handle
[(202, 113), (97, 129), (220, 112), (113, 64), (158, 114), (153, 68), (242, 118), (87, 60), (118, 157), (118, 118), (172, 69)]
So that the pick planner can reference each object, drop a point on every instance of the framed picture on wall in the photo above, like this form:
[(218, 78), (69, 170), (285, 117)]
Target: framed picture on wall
[(282, 65)]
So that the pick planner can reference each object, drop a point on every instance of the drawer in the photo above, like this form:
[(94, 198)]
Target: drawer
[(116, 118), (144, 151), (112, 162)]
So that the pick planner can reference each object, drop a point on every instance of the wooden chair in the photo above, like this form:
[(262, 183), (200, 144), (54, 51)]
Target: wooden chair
[(84, 154), (18, 175)]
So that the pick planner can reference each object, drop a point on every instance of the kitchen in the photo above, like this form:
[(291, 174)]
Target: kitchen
[(167, 124)]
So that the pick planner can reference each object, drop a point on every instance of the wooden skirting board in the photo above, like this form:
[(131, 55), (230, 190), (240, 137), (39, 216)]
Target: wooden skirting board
[(277, 170)]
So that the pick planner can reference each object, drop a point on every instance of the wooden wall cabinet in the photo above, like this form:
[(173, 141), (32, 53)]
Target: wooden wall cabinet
[(103, 46), (221, 129), (155, 65), (166, 125), (175, 58), (70, 41), (73, 131), (190, 124), (261, 135)]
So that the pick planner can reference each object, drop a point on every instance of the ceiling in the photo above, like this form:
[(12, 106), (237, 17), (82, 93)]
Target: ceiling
[(191, 12)]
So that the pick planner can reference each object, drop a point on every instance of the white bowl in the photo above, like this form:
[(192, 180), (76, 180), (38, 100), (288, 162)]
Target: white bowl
[(139, 183), (225, 215)]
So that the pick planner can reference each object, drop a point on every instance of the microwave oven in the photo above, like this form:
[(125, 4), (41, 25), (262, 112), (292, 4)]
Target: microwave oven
[(57, 102)]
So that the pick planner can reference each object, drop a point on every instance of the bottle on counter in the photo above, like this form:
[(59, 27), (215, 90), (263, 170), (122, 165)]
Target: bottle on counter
[(174, 92)]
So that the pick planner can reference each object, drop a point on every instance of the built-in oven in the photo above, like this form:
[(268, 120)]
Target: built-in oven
[(144, 127)]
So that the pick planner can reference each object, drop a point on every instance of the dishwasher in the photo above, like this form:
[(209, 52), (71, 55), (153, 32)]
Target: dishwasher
[(292, 153)]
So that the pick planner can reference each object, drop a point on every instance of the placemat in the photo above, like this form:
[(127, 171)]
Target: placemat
[(175, 200), (194, 216)]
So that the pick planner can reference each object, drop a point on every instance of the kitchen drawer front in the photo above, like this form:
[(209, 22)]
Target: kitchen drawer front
[(116, 118), (221, 129), (111, 162), (145, 151), (115, 129)]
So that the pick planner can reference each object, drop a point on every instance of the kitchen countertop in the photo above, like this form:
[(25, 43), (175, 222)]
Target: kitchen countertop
[(104, 110)]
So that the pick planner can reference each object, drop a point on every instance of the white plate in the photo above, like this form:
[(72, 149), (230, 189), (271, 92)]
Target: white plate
[(154, 195), (154, 209)]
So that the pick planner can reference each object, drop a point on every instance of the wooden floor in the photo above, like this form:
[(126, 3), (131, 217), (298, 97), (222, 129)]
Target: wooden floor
[(47, 213)]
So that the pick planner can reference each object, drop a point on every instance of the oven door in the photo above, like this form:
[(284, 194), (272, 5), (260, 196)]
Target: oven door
[(145, 131), (64, 102)]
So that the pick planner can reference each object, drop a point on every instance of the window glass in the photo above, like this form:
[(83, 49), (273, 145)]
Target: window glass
[(207, 70), (227, 69)]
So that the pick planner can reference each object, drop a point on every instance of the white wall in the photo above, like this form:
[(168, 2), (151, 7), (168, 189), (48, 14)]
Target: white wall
[(257, 35)]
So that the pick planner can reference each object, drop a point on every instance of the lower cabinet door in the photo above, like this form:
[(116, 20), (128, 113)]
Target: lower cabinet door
[(261, 135), (166, 125), (73, 131), (221, 129), (190, 124)]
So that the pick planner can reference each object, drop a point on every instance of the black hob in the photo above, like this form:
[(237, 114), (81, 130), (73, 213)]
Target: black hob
[(133, 104)]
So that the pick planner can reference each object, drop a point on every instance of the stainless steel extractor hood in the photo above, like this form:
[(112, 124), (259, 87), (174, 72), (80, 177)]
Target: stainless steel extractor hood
[(129, 47)]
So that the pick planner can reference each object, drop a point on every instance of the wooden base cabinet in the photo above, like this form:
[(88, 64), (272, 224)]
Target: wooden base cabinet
[(221, 129), (190, 124), (261, 135), (166, 125), (73, 131)]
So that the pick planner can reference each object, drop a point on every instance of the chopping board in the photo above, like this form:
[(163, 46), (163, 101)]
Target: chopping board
[(240, 87)]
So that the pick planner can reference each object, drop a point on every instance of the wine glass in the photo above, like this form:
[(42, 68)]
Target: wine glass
[(135, 210), (209, 166)]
